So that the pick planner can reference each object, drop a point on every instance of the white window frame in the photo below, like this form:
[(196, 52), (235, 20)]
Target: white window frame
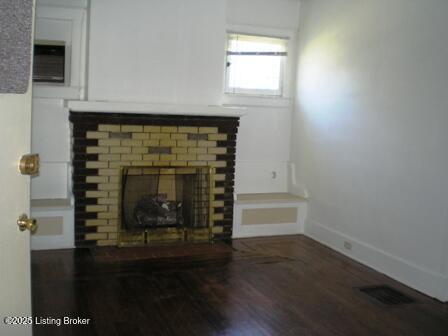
[(232, 96)]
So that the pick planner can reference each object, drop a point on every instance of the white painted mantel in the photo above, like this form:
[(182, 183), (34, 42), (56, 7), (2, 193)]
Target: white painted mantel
[(149, 108)]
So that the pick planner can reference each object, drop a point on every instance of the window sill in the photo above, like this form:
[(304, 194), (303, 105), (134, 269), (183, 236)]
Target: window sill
[(257, 101)]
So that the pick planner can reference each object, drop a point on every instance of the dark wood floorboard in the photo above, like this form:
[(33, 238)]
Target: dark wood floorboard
[(266, 286)]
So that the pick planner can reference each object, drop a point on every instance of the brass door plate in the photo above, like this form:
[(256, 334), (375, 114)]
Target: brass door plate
[(29, 164)]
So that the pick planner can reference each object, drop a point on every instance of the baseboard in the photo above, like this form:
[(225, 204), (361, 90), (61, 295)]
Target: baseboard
[(267, 230), (412, 275)]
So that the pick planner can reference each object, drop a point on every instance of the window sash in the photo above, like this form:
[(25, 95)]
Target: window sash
[(282, 53)]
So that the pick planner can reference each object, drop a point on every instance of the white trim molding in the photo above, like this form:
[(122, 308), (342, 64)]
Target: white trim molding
[(424, 280)]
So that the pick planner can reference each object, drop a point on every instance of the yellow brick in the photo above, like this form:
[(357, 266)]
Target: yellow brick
[(218, 229), (113, 208), (151, 143), (217, 150), (119, 164), (139, 150), (141, 163), (220, 177), (96, 208), (114, 179), (96, 222), (107, 215), (178, 163), (207, 157), (218, 204), (186, 143), (108, 186), (160, 163), (131, 157), (97, 150), (217, 164), (120, 150), (169, 129), (141, 136), (208, 130), (197, 163), (179, 136), (112, 222), (95, 236), (109, 128), (219, 216), (109, 157), (95, 194), (179, 150), (107, 201), (107, 229), (205, 143), (135, 171), (109, 142), (218, 191), (220, 136), (108, 172), (160, 136), (113, 193), (186, 157), (103, 242), (97, 179), (167, 143), (183, 129), (152, 129), (96, 164), (194, 150), (131, 128), (112, 235), (167, 171), (97, 135), (151, 157), (168, 157), (132, 143)]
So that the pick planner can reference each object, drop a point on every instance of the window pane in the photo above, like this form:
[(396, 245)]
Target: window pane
[(255, 64), (255, 72)]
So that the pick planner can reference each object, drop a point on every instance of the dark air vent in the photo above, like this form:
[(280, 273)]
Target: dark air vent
[(49, 62), (386, 295)]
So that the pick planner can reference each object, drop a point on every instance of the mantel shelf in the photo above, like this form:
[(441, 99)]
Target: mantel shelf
[(147, 108)]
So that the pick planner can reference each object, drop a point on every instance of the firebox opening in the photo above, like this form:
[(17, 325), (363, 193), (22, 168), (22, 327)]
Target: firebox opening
[(164, 204)]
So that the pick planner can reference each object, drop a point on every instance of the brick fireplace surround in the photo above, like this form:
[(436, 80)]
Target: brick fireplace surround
[(104, 142)]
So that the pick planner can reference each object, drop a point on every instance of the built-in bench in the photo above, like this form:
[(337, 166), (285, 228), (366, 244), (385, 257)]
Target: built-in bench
[(54, 224), (268, 214)]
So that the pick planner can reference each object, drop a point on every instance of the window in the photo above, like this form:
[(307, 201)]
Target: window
[(255, 64)]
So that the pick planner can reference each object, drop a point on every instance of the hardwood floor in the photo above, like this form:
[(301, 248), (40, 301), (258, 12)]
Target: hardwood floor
[(265, 286)]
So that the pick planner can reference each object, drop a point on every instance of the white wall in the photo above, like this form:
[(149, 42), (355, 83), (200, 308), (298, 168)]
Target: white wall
[(173, 52), (51, 139), (64, 21), (369, 134), (263, 147), (157, 51)]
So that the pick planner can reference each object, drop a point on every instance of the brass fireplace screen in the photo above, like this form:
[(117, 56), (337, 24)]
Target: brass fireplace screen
[(163, 204)]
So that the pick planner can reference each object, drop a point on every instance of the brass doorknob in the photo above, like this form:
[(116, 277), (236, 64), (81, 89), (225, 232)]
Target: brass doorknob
[(29, 164), (26, 223)]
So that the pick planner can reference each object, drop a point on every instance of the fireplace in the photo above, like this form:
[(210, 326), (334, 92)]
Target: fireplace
[(162, 204), (124, 164)]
